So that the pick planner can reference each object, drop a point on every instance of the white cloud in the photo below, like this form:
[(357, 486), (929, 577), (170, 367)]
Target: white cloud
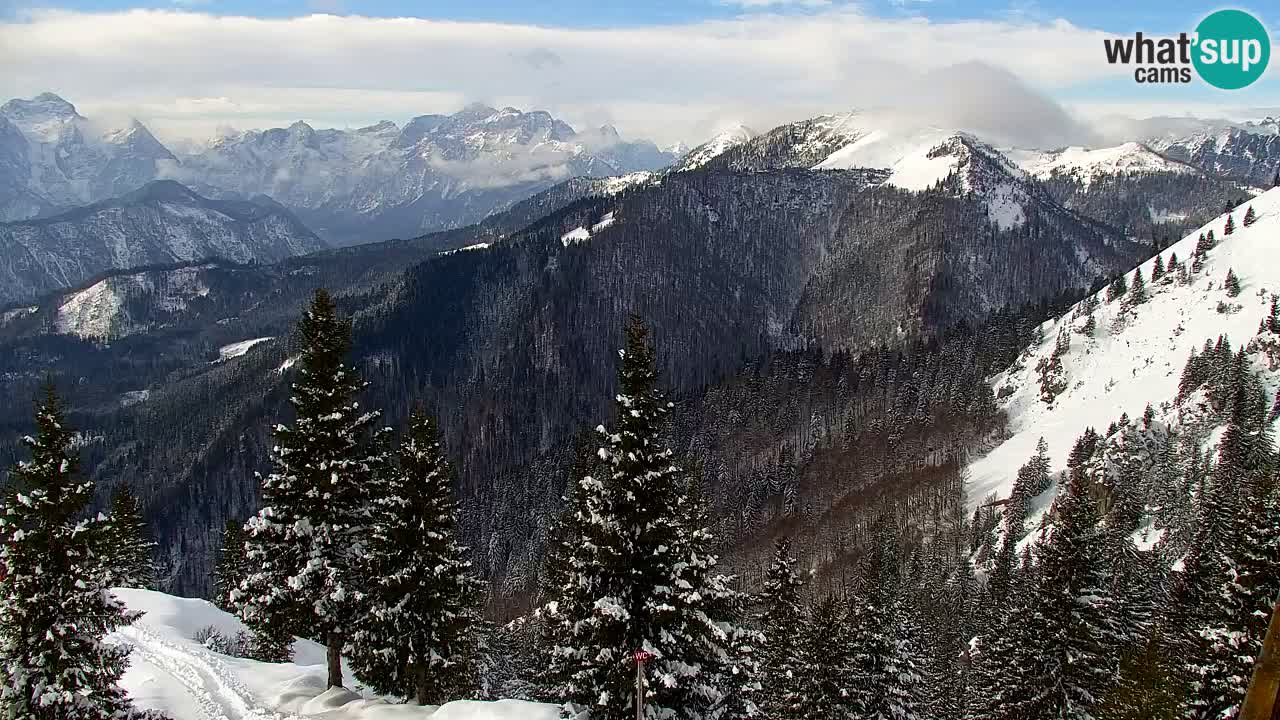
[(756, 4), (191, 72)]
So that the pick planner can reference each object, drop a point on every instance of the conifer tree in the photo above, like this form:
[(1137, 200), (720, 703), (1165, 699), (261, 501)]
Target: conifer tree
[(781, 671), (421, 601), (1117, 288), (56, 606), (1232, 283), (1237, 589), (1138, 290), (639, 572), (1249, 216), (231, 567), (130, 542), (1147, 688), (1073, 664), (828, 660), (305, 545), (1157, 269), (1230, 227)]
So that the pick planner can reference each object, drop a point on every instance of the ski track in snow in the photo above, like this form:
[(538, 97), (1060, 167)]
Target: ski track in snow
[(211, 688)]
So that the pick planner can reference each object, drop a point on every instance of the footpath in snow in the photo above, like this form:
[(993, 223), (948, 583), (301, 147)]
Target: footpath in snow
[(172, 673)]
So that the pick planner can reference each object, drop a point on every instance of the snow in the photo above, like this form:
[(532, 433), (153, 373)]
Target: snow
[(90, 313), (723, 141), (172, 673), (236, 349), (1086, 164), (133, 397), (618, 183), (1139, 358), (465, 248), (605, 222), (905, 154)]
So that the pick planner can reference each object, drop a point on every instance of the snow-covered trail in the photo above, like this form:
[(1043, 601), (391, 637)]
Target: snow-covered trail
[(170, 672), (205, 686)]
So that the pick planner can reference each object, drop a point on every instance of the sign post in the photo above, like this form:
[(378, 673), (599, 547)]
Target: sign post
[(641, 657)]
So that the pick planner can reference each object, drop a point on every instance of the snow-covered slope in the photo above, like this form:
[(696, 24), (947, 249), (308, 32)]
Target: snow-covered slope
[(921, 159), (170, 672), (730, 137), (1085, 164), (99, 311), (1136, 355)]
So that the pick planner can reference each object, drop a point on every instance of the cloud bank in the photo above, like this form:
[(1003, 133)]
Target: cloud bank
[(188, 72)]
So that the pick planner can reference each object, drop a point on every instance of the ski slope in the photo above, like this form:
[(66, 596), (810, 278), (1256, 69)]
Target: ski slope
[(170, 672), (1135, 358)]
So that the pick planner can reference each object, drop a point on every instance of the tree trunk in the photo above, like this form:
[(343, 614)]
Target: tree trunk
[(335, 660), (1260, 701), (420, 682)]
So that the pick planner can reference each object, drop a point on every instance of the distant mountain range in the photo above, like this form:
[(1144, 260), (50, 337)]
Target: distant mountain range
[(162, 222), (351, 186)]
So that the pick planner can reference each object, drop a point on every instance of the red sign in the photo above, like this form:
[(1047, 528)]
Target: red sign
[(644, 656)]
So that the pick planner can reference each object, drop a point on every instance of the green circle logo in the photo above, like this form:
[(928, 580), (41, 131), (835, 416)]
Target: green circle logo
[(1232, 49)]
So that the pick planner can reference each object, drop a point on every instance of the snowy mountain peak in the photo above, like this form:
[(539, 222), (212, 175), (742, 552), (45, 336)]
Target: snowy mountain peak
[(731, 137), (386, 127), (1103, 358), (1086, 164), (41, 108)]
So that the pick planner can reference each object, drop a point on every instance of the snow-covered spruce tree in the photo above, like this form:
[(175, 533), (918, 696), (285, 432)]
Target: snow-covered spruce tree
[(1232, 283), (1118, 288), (130, 543), (231, 567), (1233, 619), (1138, 289), (55, 605), (421, 596), (638, 573), (783, 616), (306, 544), (1073, 663), (1001, 655)]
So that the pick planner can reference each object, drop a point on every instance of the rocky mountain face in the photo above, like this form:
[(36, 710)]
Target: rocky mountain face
[(362, 185), (56, 159), (160, 223), (1249, 154)]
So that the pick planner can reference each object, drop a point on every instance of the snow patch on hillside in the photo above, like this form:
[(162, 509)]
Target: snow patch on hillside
[(170, 672), (90, 313), (1135, 358), (236, 349), (96, 312), (619, 183)]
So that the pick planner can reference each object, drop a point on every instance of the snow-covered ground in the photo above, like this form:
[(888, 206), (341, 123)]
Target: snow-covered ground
[(236, 349), (1135, 358), (172, 673)]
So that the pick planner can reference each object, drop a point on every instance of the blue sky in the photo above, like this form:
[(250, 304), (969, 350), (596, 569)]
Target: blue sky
[(666, 69), (1109, 15)]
